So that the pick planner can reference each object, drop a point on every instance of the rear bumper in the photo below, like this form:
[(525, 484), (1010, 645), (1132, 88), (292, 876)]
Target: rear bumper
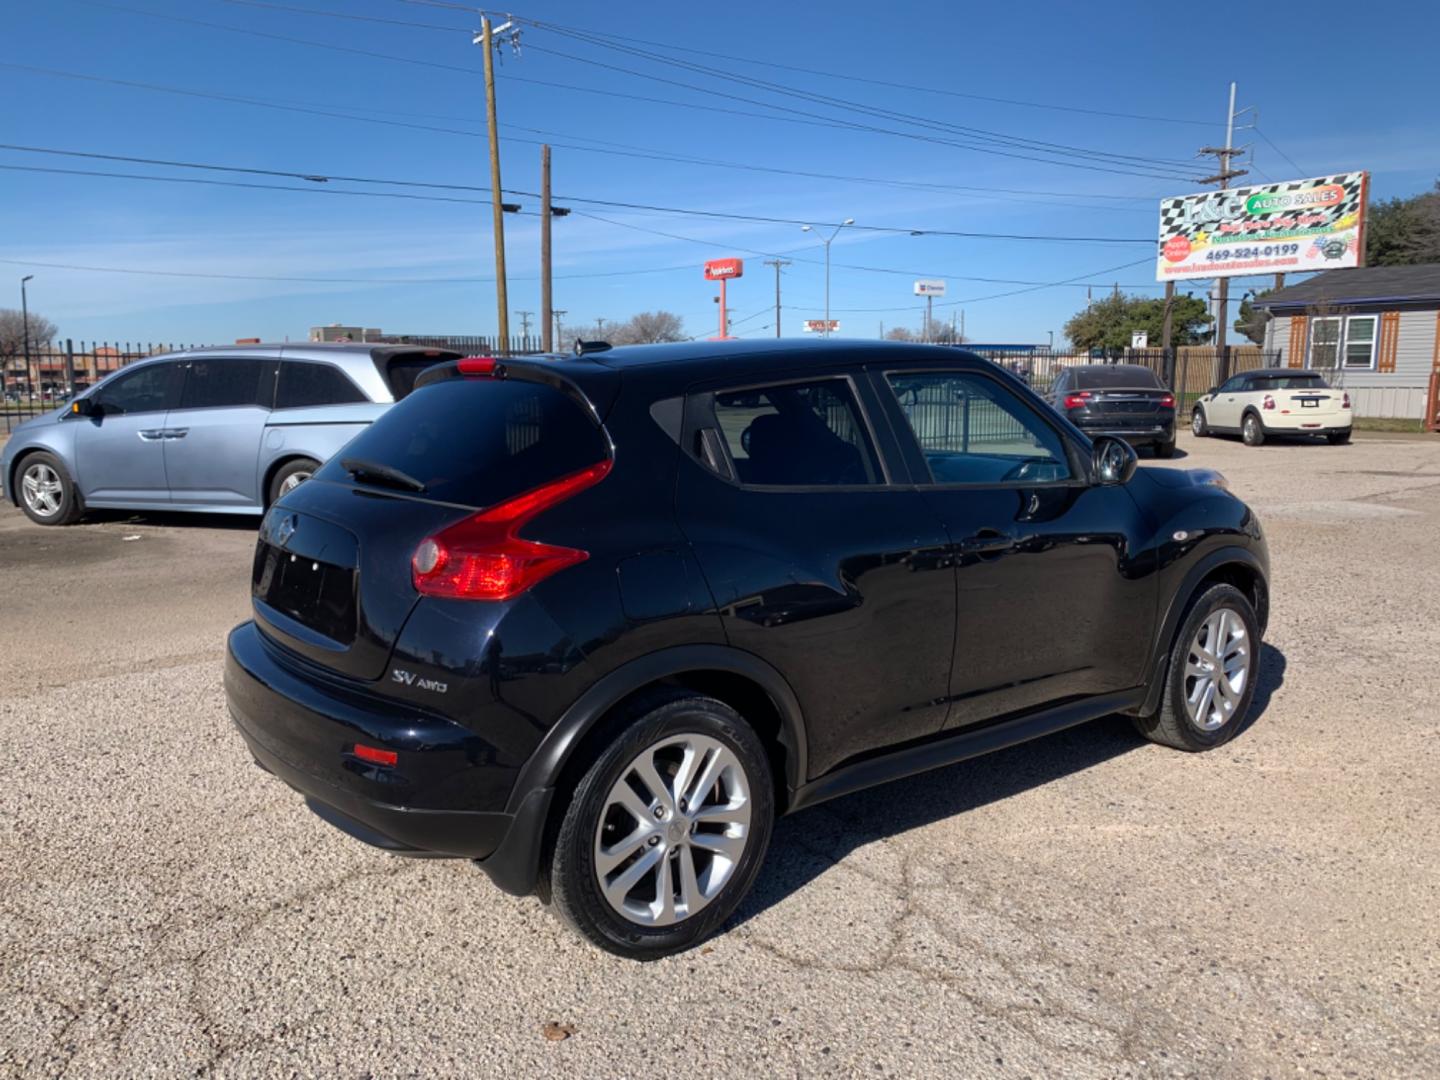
[(305, 734), (1299, 425), (1139, 432)]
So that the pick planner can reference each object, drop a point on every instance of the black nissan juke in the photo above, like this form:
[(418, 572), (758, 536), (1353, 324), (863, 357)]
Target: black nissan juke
[(595, 621)]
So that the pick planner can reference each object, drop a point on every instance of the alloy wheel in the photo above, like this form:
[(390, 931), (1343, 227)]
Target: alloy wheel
[(294, 480), (1217, 669), (1197, 422), (42, 489), (673, 830)]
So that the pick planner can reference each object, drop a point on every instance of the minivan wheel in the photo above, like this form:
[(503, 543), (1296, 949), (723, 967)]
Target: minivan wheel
[(1210, 676), (1252, 431), (290, 476), (666, 831), (47, 494)]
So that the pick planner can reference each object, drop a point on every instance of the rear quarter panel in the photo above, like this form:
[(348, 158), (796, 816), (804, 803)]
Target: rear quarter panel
[(317, 433)]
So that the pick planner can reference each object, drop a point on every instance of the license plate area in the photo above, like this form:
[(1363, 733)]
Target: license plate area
[(1309, 403)]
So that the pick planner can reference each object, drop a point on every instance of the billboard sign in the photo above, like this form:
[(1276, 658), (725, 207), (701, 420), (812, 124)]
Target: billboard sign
[(1301, 225), (820, 326), (720, 269), (929, 287)]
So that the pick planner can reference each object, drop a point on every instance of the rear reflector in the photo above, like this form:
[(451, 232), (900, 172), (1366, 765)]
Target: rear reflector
[(481, 558), (476, 365), (375, 755)]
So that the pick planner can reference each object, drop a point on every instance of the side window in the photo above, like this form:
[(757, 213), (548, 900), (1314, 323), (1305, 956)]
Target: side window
[(794, 435), (303, 384), (143, 390), (223, 382), (1234, 385), (973, 430)]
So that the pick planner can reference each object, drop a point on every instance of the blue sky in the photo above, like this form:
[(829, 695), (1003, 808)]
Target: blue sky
[(1334, 92)]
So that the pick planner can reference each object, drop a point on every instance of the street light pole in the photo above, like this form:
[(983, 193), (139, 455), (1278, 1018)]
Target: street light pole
[(806, 228), (25, 322)]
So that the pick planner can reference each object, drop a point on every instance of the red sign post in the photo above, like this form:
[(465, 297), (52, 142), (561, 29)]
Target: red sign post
[(722, 270)]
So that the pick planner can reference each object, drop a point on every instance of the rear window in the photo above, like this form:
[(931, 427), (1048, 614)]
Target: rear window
[(478, 442), (400, 370), (1287, 382), (1126, 376)]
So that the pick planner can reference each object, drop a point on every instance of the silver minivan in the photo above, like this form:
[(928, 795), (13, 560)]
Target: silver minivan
[(227, 429)]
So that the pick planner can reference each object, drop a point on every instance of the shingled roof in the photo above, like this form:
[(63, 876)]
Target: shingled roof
[(1363, 285)]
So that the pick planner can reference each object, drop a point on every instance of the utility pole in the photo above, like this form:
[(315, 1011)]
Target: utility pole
[(486, 40), (546, 299), (1224, 154), (599, 327), (556, 314), (524, 322), (777, 264), (1167, 326), (953, 339)]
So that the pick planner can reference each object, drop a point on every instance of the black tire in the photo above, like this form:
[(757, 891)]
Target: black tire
[(1252, 430), (1198, 424), (1172, 724), (1338, 438), (303, 467), (46, 469), (574, 884), (1165, 449)]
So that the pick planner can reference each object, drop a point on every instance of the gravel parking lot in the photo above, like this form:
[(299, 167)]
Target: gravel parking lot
[(1088, 906)]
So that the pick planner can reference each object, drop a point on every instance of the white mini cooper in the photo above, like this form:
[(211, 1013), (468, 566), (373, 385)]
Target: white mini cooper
[(1257, 405)]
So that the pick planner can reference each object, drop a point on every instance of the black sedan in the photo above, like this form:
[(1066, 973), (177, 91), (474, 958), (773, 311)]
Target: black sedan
[(1125, 400)]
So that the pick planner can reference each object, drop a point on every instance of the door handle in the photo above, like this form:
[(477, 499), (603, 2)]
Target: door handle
[(987, 543), (177, 432), (151, 434)]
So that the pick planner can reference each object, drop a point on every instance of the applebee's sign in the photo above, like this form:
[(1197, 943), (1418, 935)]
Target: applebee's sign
[(720, 269)]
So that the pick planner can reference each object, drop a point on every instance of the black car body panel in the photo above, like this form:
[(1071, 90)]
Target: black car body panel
[(868, 626), (1124, 400)]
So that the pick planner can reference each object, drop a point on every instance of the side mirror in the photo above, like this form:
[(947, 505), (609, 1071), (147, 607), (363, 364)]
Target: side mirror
[(84, 407), (1114, 460)]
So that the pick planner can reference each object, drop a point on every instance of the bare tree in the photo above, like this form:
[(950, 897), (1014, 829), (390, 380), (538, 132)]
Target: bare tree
[(900, 333), (649, 327), (12, 332)]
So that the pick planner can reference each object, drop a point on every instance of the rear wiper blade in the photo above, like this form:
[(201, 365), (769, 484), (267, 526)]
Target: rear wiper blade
[(376, 473)]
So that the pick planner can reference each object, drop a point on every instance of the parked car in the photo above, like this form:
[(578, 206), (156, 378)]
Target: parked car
[(225, 430), (1259, 405), (1125, 400), (594, 622)]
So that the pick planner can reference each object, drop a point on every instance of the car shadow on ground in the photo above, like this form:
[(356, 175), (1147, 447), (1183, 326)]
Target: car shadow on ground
[(172, 519), (1153, 456), (813, 841)]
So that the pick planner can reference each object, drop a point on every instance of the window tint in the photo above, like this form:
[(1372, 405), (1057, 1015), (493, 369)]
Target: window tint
[(1302, 381), (478, 442), (973, 430), (145, 389), (221, 382), (1121, 375), (796, 435), (1234, 384), (303, 383), (400, 370)]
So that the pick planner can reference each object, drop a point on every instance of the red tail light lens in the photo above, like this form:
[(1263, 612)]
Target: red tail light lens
[(1345, 401), (1077, 401), (481, 558), (1168, 401), (375, 755), (476, 365), (1268, 403)]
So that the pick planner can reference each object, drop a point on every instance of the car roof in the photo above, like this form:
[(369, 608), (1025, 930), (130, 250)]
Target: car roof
[(697, 360), (1270, 372), (1109, 367)]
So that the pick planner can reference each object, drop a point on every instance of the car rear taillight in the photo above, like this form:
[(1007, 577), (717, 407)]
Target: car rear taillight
[(1168, 401), (375, 755), (1077, 401), (476, 365), (1268, 403), (1345, 401), (481, 558)]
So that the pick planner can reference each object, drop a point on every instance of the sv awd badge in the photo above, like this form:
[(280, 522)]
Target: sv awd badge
[(409, 678)]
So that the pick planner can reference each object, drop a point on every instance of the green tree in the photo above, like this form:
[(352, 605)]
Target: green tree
[(1252, 320), (1402, 232), (1108, 323)]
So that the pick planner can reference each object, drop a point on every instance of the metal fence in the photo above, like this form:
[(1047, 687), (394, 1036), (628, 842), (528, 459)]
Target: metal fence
[(56, 371), (474, 345)]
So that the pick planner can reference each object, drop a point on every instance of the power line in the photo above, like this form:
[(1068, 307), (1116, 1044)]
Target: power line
[(315, 178), (1022, 195), (431, 64), (1288, 159)]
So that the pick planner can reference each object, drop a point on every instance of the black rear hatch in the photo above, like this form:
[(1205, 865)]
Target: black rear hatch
[(332, 573), (1119, 397)]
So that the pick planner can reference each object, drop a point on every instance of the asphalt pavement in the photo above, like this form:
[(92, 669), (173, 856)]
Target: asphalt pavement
[(1088, 906)]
